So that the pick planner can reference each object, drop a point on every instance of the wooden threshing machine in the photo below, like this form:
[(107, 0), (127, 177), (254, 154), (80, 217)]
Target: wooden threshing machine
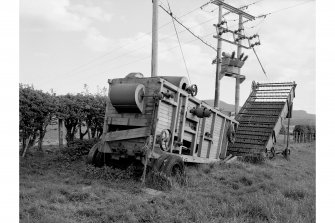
[(158, 121)]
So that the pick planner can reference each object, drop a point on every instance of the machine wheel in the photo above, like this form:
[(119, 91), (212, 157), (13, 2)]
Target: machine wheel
[(165, 140), (272, 153), (286, 153), (158, 163), (95, 157), (165, 170), (174, 166), (93, 152)]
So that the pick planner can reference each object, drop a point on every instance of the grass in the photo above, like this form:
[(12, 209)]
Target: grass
[(52, 190)]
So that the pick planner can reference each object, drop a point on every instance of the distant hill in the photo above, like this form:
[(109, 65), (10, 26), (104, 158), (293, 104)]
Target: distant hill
[(225, 106), (300, 117)]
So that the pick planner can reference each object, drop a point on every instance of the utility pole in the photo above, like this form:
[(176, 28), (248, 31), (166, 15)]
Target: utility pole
[(154, 43), (237, 86), (218, 62), (234, 64)]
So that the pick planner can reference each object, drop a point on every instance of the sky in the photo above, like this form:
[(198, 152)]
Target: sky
[(65, 44)]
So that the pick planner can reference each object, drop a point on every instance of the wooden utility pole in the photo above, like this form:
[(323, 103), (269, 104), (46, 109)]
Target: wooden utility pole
[(239, 49), (154, 43), (218, 63)]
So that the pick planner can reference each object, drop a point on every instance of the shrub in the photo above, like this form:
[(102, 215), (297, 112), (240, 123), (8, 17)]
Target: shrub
[(78, 148), (36, 110)]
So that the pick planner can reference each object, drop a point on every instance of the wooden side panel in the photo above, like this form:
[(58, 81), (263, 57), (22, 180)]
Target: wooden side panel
[(204, 149), (216, 137), (188, 136), (200, 130), (191, 105), (127, 134), (208, 124), (225, 139), (165, 112), (181, 112)]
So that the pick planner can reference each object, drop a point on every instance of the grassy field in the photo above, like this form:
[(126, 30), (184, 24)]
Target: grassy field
[(54, 190)]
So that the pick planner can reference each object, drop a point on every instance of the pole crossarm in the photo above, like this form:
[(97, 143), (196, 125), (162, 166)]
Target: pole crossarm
[(233, 9), (231, 42)]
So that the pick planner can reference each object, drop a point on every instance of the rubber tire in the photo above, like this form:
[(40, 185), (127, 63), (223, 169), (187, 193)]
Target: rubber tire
[(99, 159), (287, 153), (172, 163), (95, 157), (92, 154), (158, 163)]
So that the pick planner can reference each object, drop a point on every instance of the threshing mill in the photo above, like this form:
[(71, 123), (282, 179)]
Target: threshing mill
[(158, 121)]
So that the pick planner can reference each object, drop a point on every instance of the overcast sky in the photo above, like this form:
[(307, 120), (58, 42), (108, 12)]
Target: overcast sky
[(65, 44)]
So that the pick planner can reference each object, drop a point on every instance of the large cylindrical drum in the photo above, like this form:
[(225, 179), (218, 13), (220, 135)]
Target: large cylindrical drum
[(179, 81), (127, 98)]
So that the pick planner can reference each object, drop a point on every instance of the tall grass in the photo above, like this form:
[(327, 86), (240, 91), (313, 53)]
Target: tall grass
[(274, 191)]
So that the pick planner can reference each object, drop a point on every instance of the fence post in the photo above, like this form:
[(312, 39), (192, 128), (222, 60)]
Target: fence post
[(299, 137), (60, 132)]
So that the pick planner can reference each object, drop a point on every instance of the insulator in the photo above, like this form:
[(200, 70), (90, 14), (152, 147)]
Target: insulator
[(245, 58), (241, 56), (233, 55)]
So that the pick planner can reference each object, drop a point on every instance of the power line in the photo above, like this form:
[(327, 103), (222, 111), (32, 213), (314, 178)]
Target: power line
[(93, 61), (181, 49), (279, 10), (121, 47), (187, 28), (136, 49), (125, 54), (169, 49), (276, 11)]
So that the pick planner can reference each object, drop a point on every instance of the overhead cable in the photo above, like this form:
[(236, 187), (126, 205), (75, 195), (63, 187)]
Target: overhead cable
[(181, 49), (207, 44)]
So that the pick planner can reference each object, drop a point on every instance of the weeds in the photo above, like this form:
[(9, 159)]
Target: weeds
[(110, 173), (71, 191), (294, 193)]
